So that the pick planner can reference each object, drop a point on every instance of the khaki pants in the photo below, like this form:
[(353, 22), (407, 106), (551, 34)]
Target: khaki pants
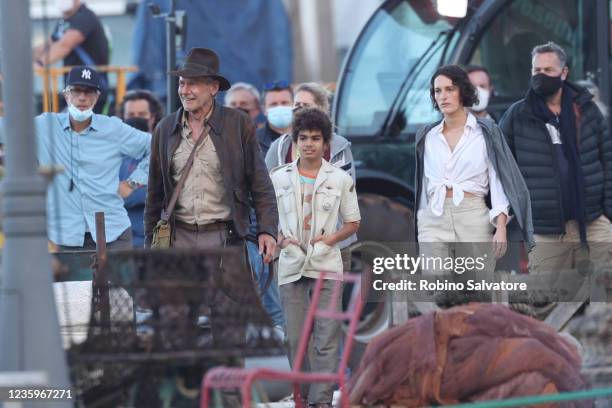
[(322, 353), (468, 224), (563, 252)]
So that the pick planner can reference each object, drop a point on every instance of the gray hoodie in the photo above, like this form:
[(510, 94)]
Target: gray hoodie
[(340, 156)]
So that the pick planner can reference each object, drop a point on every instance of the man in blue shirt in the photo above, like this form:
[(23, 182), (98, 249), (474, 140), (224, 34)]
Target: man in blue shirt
[(89, 147)]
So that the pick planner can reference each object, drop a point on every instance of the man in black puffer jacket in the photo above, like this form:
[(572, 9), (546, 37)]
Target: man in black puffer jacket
[(564, 151)]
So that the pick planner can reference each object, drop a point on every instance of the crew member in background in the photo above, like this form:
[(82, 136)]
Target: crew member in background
[(563, 147), (246, 97), (277, 101), (90, 147), (141, 103), (142, 110), (78, 39), (481, 79)]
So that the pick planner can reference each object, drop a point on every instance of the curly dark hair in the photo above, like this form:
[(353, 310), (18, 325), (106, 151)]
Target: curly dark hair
[(311, 119), (155, 106), (460, 78)]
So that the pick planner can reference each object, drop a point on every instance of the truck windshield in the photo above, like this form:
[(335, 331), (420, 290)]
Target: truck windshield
[(397, 41), (505, 47)]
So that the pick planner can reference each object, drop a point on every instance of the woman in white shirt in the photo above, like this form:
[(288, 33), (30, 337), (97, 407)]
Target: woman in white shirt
[(460, 161)]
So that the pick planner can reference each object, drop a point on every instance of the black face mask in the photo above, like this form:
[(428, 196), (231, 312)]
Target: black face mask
[(545, 85)]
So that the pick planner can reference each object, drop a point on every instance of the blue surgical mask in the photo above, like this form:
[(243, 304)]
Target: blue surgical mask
[(79, 115), (280, 116)]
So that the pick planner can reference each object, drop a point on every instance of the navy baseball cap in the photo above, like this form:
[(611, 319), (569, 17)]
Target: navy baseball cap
[(84, 76)]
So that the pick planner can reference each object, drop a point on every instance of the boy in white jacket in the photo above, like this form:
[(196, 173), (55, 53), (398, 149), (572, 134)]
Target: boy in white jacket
[(312, 194), (283, 150)]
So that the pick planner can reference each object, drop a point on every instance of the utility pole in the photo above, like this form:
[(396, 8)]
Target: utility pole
[(30, 338), (172, 101), (171, 32), (313, 40)]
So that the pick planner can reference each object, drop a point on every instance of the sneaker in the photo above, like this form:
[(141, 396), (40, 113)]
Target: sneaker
[(279, 333), (290, 398), (204, 322)]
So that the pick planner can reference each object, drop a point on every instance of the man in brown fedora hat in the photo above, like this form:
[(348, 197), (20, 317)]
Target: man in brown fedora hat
[(212, 207)]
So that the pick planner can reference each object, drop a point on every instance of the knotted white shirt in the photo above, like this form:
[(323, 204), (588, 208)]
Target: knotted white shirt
[(465, 169)]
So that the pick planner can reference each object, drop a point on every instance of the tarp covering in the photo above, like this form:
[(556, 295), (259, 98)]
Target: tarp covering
[(467, 353), (252, 37)]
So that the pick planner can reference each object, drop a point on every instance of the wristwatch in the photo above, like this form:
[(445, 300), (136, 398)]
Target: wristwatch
[(132, 184)]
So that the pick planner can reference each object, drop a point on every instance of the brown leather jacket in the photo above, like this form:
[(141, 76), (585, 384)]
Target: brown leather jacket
[(244, 171)]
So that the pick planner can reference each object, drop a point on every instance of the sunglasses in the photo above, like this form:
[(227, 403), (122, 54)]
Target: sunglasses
[(76, 91), (276, 85)]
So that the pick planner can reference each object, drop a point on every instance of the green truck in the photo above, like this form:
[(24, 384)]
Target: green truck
[(382, 96)]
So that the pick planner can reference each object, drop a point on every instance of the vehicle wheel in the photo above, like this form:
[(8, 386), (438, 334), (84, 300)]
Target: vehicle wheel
[(384, 222)]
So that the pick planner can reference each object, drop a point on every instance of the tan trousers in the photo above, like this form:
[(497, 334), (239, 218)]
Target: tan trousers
[(468, 224), (563, 252)]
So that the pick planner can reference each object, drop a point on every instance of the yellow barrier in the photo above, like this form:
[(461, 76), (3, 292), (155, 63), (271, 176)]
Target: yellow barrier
[(50, 77)]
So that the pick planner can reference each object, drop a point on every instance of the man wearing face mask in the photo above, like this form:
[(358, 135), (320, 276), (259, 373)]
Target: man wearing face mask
[(90, 148), (77, 39), (277, 102), (561, 143), (481, 79)]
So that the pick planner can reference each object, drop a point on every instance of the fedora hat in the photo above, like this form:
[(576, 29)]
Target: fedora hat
[(202, 62)]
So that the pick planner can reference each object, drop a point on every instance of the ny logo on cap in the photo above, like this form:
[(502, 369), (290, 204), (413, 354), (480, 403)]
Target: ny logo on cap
[(86, 74)]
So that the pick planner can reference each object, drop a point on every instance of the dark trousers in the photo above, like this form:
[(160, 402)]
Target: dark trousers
[(322, 352), (124, 241), (187, 239)]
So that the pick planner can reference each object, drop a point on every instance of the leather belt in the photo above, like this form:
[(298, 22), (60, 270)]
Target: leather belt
[(215, 226)]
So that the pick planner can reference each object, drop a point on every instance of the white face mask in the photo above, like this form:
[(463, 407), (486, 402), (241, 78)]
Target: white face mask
[(79, 115), (64, 5), (483, 99)]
